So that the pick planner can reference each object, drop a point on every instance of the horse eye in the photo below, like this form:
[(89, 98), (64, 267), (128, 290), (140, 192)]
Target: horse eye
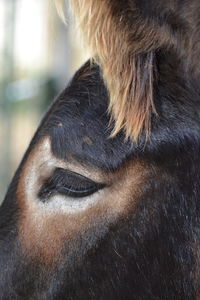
[(68, 183)]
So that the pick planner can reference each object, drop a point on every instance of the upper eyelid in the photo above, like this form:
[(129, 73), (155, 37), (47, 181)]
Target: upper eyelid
[(87, 170), (75, 174), (61, 176), (81, 176)]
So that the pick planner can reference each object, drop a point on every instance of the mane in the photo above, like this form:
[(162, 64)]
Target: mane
[(123, 41)]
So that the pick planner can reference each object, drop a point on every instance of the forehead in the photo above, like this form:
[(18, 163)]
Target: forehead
[(79, 125)]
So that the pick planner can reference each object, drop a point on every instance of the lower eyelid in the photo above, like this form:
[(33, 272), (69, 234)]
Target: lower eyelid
[(69, 204), (70, 189), (46, 194), (77, 193)]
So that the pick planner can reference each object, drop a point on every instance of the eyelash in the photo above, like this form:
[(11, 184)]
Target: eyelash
[(71, 192), (69, 184)]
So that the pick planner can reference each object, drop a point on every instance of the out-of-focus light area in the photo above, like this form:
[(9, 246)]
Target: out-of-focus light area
[(38, 55)]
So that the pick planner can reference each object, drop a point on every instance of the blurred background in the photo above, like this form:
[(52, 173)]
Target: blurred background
[(38, 55)]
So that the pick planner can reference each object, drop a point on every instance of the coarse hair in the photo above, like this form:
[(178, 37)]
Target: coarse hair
[(123, 40)]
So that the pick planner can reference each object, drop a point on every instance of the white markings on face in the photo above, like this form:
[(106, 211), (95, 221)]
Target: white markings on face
[(47, 224), (65, 204), (41, 164)]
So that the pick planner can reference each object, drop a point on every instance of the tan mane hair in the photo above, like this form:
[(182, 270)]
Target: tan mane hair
[(123, 43)]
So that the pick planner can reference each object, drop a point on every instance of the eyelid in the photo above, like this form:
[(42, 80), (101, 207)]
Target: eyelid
[(69, 183), (66, 173), (78, 175), (89, 177)]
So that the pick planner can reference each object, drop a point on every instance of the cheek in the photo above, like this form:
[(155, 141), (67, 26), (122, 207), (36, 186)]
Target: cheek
[(47, 235), (49, 238), (63, 228)]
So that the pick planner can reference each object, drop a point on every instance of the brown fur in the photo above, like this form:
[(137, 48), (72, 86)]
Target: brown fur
[(124, 38), (55, 229), (123, 43)]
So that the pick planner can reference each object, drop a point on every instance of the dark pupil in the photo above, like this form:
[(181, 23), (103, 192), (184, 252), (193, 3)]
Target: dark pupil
[(68, 183)]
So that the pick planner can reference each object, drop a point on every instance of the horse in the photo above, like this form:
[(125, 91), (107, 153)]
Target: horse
[(106, 201)]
